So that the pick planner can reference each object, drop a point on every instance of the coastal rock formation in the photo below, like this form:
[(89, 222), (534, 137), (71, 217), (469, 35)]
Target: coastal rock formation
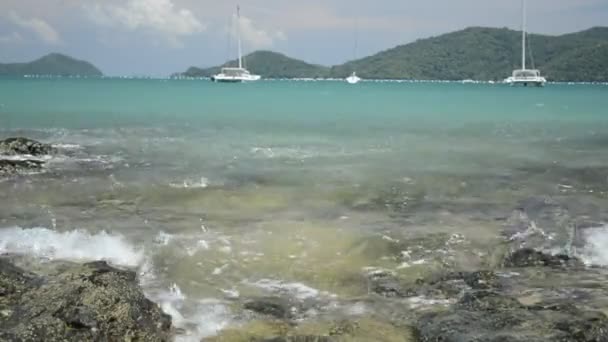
[(90, 302), (492, 317), (486, 311), (22, 146), (25, 146), (11, 167), (528, 257)]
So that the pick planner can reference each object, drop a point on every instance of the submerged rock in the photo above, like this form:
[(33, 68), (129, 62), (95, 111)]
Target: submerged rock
[(271, 306), (12, 167), (90, 302), (492, 317), (20, 145), (528, 257)]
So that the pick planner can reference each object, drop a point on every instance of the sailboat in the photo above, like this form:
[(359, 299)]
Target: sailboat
[(239, 74), (525, 76), (353, 78)]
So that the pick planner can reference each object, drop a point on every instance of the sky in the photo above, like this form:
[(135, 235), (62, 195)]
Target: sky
[(160, 37)]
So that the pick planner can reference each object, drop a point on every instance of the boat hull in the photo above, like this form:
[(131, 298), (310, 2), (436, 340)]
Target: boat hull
[(525, 82), (229, 79), (353, 80)]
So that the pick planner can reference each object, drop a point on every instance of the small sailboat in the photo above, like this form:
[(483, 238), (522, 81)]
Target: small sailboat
[(353, 78), (525, 76), (238, 74)]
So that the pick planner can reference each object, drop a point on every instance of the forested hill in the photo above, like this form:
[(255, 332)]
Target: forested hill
[(474, 53), (53, 64)]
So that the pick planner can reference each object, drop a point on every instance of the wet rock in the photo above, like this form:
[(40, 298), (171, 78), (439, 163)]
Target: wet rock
[(528, 257), (384, 283), (272, 306), (488, 301), (453, 284), (12, 167), (20, 145), (487, 316), (90, 302)]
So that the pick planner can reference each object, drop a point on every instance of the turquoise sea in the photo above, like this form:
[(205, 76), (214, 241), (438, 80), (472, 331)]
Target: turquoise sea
[(217, 193)]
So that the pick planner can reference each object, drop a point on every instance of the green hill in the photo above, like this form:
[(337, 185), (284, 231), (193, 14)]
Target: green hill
[(52, 64), (269, 64), (488, 54), (473, 53)]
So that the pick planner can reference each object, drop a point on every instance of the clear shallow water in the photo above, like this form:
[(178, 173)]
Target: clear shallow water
[(217, 193)]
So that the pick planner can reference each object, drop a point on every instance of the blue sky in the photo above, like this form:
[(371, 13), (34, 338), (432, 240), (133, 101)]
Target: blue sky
[(159, 37)]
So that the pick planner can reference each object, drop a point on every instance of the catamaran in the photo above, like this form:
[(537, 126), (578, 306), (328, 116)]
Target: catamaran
[(238, 74), (525, 76)]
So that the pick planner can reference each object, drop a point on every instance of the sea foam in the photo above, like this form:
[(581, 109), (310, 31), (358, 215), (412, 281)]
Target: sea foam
[(595, 249), (75, 245)]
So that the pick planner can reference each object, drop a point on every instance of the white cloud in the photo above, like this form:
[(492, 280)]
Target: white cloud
[(38, 26), (158, 16), (257, 38), (14, 37)]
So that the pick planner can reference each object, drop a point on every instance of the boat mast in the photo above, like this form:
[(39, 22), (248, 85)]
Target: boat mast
[(238, 34), (523, 35)]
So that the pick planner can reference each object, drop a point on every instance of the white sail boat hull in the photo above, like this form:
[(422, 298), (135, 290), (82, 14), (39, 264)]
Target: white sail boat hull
[(235, 75), (526, 77), (353, 79)]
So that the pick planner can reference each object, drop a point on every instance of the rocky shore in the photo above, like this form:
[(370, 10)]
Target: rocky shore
[(481, 306), (28, 149), (517, 292), (89, 302)]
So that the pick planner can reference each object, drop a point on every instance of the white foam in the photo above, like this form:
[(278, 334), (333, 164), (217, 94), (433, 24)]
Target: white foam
[(210, 318), (422, 302), (23, 157), (76, 245), (297, 290), (194, 319), (595, 249), (191, 184), (163, 238), (69, 147)]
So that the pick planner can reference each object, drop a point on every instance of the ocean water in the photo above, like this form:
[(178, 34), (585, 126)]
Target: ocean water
[(217, 193)]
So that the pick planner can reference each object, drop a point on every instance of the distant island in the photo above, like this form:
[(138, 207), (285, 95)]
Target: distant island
[(54, 64), (475, 53)]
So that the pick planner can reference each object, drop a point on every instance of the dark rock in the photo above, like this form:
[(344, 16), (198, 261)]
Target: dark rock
[(480, 280), (90, 302), (528, 257), (453, 284), (271, 306), (488, 301), (20, 145), (385, 283), (486, 316), (12, 167)]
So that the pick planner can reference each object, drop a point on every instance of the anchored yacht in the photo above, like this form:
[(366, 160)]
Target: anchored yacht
[(238, 74), (353, 78), (525, 76)]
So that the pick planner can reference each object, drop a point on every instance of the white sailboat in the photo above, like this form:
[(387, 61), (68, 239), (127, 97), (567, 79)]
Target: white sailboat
[(353, 78), (525, 76), (239, 74)]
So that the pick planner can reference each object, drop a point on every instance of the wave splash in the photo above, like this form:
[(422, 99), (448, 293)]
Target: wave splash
[(595, 248), (76, 245)]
